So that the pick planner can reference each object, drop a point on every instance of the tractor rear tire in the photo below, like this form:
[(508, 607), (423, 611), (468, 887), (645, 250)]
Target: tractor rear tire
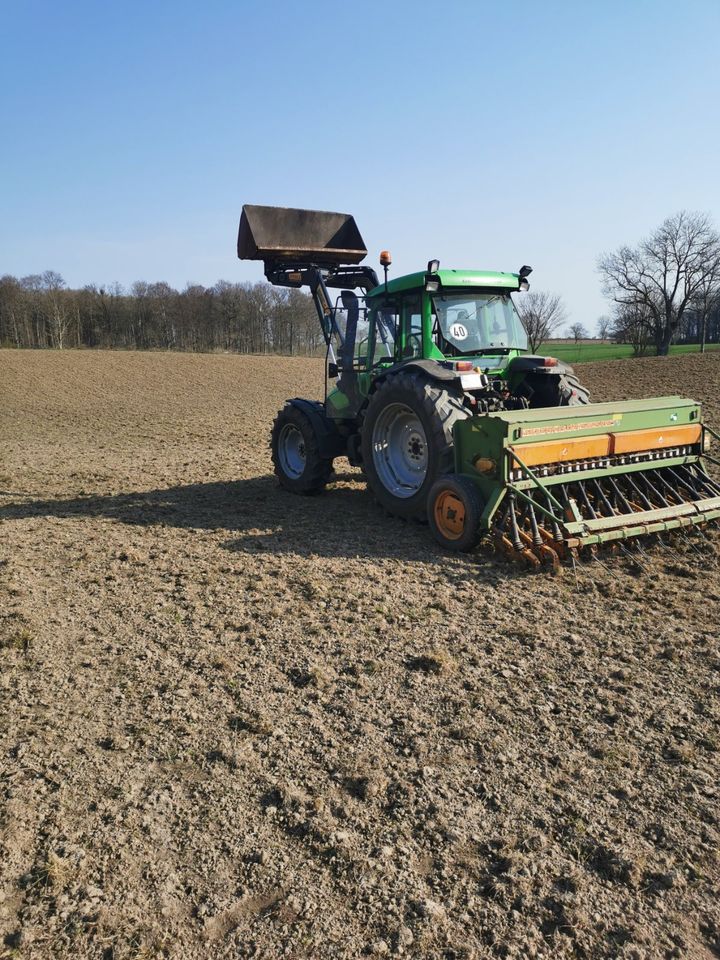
[(455, 508), (407, 440), (573, 393), (561, 390), (296, 452)]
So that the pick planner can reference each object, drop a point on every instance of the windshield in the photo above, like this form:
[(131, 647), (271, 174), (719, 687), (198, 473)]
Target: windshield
[(478, 322)]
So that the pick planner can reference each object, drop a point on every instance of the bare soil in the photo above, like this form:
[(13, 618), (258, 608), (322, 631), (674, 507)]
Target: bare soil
[(237, 723)]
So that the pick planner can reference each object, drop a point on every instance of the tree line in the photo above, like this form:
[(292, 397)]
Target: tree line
[(40, 311), (664, 290)]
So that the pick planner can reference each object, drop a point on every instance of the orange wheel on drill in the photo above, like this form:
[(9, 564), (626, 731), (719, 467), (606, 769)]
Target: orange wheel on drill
[(449, 514), (455, 508)]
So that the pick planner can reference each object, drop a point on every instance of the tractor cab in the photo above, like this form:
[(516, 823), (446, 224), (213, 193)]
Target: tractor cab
[(443, 317), (468, 315), (388, 325)]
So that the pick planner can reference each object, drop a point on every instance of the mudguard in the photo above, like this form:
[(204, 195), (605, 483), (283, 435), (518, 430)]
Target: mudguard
[(431, 368), (529, 363)]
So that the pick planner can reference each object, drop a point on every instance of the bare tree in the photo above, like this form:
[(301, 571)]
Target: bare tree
[(706, 302), (542, 313), (632, 324), (665, 273), (604, 326), (32, 287), (578, 332), (54, 308), (11, 311)]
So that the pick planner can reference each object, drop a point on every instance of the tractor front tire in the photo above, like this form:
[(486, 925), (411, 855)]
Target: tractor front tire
[(296, 452), (455, 508), (407, 440)]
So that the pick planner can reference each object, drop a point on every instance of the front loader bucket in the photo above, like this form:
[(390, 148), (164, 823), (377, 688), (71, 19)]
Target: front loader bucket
[(299, 236), (562, 480)]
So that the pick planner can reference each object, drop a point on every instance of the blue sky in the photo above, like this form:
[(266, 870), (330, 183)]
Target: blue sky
[(486, 134)]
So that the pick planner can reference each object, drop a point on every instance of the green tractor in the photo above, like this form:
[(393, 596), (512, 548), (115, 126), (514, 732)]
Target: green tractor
[(430, 389)]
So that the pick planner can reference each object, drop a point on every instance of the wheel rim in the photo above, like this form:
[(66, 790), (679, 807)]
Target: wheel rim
[(400, 450), (449, 513), (291, 451)]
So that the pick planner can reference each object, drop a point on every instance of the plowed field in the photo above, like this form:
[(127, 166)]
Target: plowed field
[(236, 723)]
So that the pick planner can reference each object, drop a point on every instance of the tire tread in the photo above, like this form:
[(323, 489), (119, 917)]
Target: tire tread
[(318, 469)]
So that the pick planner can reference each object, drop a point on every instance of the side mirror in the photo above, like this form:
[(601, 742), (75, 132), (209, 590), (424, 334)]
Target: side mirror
[(332, 370)]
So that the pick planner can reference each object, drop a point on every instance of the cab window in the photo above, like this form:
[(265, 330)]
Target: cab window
[(412, 326), (386, 327), (473, 322), (352, 326)]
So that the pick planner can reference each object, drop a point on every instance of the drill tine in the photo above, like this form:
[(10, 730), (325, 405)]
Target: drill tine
[(707, 482), (606, 568), (505, 517), (654, 491), (647, 503), (674, 492), (524, 515), (556, 532), (690, 544), (712, 483), (665, 546), (619, 494), (700, 529), (633, 557), (515, 533), (690, 472), (565, 500), (537, 539), (693, 493), (574, 566), (586, 501), (680, 485), (605, 502), (639, 547), (686, 540)]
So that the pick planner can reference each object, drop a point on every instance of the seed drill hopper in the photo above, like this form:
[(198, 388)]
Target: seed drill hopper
[(452, 420), (556, 481)]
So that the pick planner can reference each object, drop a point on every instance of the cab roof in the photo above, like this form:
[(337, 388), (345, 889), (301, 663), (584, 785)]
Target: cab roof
[(450, 278)]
